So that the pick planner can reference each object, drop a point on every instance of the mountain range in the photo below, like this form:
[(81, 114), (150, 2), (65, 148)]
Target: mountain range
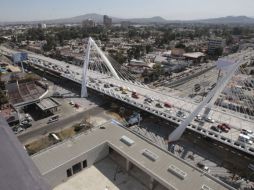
[(157, 19)]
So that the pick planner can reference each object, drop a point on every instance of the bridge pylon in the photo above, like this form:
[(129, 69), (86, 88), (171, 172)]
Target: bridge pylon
[(95, 60)]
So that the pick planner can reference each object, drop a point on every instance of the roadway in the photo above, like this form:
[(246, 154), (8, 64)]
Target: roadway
[(74, 73)]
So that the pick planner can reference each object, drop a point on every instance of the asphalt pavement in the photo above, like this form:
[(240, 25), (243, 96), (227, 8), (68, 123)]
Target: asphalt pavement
[(62, 123)]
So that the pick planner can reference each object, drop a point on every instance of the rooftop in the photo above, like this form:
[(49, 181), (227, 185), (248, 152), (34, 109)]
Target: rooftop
[(194, 55), (165, 168), (47, 103)]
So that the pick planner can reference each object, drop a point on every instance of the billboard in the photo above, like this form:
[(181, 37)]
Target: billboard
[(18, 57)]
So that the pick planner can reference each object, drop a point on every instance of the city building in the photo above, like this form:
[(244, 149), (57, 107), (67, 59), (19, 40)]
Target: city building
[(107, 21), (215, 43), (89, 23), (42, 25), (196, 57), (177, 52)]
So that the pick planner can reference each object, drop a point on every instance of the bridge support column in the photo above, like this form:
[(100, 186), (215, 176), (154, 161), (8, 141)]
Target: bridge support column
[(85, 67), (127, 165), (151, 183)]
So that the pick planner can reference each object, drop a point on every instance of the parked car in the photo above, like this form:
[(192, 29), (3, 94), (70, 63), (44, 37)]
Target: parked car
[(246, 132), (53, 119), (25, 126), (226, 126), (202, 166)]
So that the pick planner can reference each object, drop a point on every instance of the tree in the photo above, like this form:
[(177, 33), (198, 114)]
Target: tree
[(157, 69), (218, 51), (180, 45), (51, 44), (3, 99), (119, 57), (149, 48)]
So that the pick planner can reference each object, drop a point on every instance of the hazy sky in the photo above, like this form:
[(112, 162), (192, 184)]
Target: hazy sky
[(27, 10)]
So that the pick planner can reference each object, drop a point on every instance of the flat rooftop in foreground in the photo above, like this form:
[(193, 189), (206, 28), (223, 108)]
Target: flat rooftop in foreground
[(102, 172), (56, 156)]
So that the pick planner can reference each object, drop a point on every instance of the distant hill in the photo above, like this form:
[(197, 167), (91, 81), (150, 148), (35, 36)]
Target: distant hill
[(99, 19), (228, 20), (157, 19)]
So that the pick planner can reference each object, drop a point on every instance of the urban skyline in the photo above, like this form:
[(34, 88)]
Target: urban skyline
[(171, 10)]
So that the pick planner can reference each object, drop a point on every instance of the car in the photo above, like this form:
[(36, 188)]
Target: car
[(226, 126), (76, 105), (148, 100), (246, 132), (214, 128), (168, 105), (24, 122), (111, 85), (19, 130), (124, 92), (148, 103), (181, 114), (169, 111), (71, 103), (25, 126), (106, 86), (53, 119), (198, 118), (158, 105), (135, 95), (210, 120), (223, 128), (202, 166)]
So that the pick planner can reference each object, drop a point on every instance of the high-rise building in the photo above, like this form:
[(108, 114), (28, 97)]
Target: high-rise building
[(215, 43), (107, 21), (42, 25)]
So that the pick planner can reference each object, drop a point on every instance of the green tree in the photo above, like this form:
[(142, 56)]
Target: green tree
[(218, 51), (180, 45), (3, 98)]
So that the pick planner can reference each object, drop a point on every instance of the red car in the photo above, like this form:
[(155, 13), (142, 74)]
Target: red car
[(168, 105), (134, 95), (76, 105), (223, 128), (226, 126)]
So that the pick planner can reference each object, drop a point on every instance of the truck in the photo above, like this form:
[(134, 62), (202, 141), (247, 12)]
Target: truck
[(134, 119)]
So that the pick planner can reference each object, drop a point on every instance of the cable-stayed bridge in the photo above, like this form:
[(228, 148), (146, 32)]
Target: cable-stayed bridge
[(98, 73)]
